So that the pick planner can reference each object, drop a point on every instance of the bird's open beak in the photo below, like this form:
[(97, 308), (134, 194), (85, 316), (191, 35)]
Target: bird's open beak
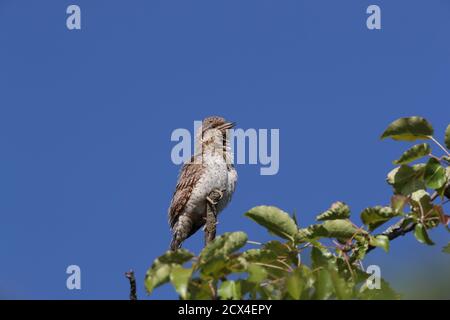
[(227, 125)]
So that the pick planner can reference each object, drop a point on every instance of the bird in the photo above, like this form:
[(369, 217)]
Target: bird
[(210, 169)]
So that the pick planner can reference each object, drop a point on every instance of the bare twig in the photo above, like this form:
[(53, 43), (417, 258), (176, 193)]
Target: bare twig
[(130, 276)]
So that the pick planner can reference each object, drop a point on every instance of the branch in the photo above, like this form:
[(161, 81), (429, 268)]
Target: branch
[(130, 276), (395, 231), (400, 229), (211, 215)]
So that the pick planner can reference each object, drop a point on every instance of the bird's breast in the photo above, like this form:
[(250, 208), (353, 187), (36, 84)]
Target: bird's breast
[(215, 176)]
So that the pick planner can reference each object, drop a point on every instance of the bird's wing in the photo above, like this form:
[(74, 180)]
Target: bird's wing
[(189, 175)]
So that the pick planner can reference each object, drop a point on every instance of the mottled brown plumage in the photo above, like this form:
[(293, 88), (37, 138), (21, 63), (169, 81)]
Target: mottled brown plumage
[(206, 171), (189, 175)]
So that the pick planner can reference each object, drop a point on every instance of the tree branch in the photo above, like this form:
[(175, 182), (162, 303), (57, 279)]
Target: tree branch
[(130, 276), (211, 215), (400, 229), (395, 231)]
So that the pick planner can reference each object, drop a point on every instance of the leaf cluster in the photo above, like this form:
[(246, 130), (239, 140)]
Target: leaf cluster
[(335, 245)]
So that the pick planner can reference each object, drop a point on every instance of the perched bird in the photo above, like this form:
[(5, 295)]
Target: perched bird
[(210, 169)]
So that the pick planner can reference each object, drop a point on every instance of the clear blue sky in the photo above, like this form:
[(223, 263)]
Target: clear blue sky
[(86, 117)]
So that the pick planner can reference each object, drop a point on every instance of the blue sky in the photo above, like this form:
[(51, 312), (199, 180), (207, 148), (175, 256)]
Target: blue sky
[(86, 117)]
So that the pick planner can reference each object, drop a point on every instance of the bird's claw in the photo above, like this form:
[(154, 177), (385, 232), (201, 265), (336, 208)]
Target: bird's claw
[(217, 197), (204, 227), (211, 201)]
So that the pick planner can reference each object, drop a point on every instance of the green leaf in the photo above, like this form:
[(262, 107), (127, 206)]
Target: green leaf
[(179, 256), (384, 293), (376, 216), (214, 260), (256, 273), (447, 137), (435, 175), (323, 285), (223, 245), (274, 220), (321, 260), (308, 276), (423, 207), (445, 189), (294, 217), (446, 249), (446, 159), (159, 273), (329, 280), (180, 277), (420, 232), (157, 277), (282, 250), (199, 290), (295, 284), (321, 257), (339, 228), (276, 255), (305, 234), (258, 255), (409, 129), (270, 254), (381, 241), (338, 210), (249, 288), (421, 202), (398, 203), (362, 245), (416, 152), (230, 290), (406, 180), (215, 267), (342, 287)]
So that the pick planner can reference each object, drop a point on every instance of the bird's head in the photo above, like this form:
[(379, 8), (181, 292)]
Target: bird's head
[(217, 123), (213, 132)]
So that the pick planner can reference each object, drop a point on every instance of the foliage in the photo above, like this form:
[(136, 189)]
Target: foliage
[(336, 246)]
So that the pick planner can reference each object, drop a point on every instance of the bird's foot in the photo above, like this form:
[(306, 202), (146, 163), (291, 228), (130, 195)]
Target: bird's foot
[(204, 226), (215, 196)]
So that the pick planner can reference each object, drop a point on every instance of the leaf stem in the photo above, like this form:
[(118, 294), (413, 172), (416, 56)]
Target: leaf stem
[(269, 265), (440, 145), (213, 290), (288, 266)]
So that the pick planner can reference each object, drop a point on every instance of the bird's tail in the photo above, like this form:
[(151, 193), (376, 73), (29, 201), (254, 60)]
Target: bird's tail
[(176, 242), (182, 230)]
